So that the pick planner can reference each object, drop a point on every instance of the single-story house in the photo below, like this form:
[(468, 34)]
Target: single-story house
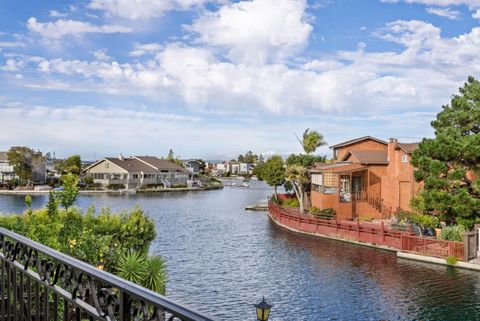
[(136, 172)]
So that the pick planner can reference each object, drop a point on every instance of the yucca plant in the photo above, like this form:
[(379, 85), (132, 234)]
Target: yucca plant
[(147, 271), (156, 274), (132, 267)]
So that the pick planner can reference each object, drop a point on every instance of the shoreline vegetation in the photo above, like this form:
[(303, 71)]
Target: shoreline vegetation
[(118, 243)]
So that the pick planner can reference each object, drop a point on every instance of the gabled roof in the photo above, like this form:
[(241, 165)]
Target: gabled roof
[(356, 140), (131, 165), (161, 164), (408, 147), (368, 156)]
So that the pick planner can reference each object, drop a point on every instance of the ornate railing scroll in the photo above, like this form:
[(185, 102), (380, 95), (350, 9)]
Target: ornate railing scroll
[(38, 283)]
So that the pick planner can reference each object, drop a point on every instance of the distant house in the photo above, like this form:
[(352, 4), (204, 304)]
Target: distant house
[(368, 177), (234, 167), (192, 165), (39, 169), (6, 170), (136, 172)]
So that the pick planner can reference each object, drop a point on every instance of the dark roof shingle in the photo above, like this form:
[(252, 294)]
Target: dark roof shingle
[(369, 156), (408, 147), (131, 165), (161, 164)]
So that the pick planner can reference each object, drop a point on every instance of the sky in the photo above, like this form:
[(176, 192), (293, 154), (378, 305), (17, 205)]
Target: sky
[(214, 79)]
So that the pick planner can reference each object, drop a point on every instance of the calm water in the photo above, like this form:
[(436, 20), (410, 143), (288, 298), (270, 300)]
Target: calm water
[(221, 259)]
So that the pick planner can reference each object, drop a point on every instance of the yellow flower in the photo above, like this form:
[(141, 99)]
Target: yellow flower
[(72, 243)]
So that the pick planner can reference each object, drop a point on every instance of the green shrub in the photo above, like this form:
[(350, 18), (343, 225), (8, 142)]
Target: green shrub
[(453, 233), (418, 219), (452, 260), (315, 210), (86, 236), (179, 185), (290, 203), (326, 213)]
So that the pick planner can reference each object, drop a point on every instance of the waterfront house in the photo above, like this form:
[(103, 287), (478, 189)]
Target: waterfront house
[(369, 177), (6, 170), (192, 165), (234, 167), (137, 172)]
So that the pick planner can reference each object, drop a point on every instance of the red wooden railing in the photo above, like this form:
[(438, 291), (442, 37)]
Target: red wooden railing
[(363, 232), (378, 234), (433, 247)]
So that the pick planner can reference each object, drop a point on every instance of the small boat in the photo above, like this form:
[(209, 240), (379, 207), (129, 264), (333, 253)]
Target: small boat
[(262, 205)]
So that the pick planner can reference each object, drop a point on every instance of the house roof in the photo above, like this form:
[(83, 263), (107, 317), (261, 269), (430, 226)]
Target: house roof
[(161, 164), (408, 147), (131, 165), (3, 156), (356, 140), (369, 156), (339, 168), (318, 165)]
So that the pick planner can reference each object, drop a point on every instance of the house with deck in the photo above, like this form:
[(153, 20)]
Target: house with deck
[(368, 177), (6, 169), (136, 172)]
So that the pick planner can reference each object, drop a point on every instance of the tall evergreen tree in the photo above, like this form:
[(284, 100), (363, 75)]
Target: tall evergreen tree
[(449, 163)]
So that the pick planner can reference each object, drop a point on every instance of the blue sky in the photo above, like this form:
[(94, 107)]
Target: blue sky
[(214, 79)]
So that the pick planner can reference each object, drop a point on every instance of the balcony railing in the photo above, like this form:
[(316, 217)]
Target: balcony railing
[(40, 284)]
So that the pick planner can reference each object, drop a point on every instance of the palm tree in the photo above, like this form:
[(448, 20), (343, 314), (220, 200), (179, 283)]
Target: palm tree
[(311, 140)]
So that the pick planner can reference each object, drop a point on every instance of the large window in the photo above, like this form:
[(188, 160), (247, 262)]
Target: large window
[(317, 182), (330, 183)]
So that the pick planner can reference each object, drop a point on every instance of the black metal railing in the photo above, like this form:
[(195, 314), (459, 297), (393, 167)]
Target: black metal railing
[(38, 283)]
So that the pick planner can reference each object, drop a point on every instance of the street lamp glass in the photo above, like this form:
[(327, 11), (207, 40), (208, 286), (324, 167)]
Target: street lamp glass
[(263, 309)]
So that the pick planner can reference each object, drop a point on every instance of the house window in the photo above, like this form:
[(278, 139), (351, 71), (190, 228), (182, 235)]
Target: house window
[(345, 195), (330, 183), (404, 158), (135, 176)]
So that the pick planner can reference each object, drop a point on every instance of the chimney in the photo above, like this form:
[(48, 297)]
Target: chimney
[(391, 148), (120, 157)]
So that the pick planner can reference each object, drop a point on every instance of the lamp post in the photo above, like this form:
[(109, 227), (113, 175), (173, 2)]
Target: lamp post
[(263, 309)]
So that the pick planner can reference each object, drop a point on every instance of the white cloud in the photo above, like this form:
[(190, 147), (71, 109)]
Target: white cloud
[(444, 12), (57, 14), (101, 55), (255, 32), (476, 14), (142, 49), (443, 3), (143, 9), (11, 44), (62, 28), (343, 81), (12, 65)]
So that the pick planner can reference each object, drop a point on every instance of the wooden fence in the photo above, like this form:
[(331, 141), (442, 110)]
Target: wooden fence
[(433, 247), (364, 232)]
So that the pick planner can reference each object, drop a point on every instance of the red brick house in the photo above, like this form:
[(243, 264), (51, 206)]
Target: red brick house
[(369, 177)]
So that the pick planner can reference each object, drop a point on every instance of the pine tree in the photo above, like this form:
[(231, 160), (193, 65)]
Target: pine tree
[(449, 163)]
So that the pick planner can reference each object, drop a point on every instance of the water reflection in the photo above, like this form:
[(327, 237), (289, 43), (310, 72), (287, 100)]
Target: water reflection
[(221, 259)]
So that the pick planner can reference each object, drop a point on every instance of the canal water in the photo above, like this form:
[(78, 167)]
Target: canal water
[(221, 259)]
